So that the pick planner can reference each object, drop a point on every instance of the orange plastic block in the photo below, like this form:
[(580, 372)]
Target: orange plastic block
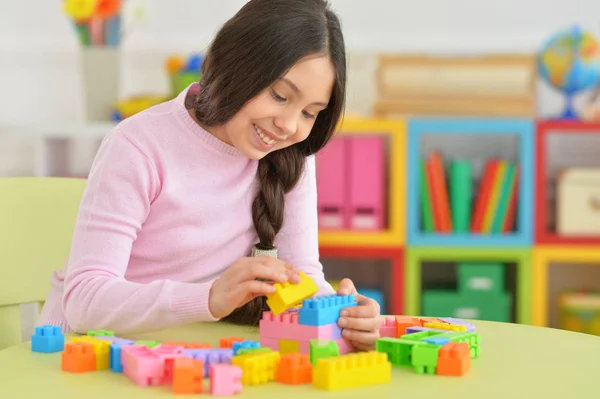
[(78, 358), (228, 342), (101, 349), (188, 375), (189, 345), (454, 359), (294, 369), (404, 322), (288, 295)]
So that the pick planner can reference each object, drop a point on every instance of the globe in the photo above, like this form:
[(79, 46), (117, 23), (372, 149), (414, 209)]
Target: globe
[(570, 62)]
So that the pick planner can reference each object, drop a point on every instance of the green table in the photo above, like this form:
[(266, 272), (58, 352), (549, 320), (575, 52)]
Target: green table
[(517, 361)]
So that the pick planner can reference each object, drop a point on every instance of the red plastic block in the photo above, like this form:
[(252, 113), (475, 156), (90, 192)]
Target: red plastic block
[(225, 379), (228, 342), (78, 358), (454, 359), (404, 322)]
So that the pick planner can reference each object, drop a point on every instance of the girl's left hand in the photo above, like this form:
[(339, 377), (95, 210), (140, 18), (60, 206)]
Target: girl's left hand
[(360, 323)]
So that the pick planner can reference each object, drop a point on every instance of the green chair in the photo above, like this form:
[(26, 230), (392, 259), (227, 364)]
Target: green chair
[(37, 217)]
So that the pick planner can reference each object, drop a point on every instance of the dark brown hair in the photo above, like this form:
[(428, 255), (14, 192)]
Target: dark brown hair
[(250, 52)]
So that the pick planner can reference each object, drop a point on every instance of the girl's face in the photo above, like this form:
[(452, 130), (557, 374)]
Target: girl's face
[(284, 113)]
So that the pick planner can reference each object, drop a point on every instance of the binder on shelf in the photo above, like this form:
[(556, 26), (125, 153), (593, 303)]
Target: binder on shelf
[(367, 182), (332, 185)]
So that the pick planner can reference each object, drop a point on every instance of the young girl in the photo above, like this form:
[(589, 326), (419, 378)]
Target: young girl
[(193, 207)]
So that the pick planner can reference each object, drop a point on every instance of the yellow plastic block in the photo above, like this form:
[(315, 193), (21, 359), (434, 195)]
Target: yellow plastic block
[(440, 325), (258, 367), (352, 371), (101, 349), (289, 295), (289, 346)]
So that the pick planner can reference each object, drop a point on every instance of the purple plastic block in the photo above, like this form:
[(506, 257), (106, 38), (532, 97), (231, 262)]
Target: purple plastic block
[(336, 332), (451, 320), (416, 329), (210, 356), (116, 340)]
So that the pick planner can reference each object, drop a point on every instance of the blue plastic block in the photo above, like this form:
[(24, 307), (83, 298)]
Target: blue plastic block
[(323, 310), (47, 339), (115, 355), (244, 344), (437, 340)]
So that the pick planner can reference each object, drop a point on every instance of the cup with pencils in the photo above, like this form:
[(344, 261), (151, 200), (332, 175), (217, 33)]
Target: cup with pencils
[(97, 22)]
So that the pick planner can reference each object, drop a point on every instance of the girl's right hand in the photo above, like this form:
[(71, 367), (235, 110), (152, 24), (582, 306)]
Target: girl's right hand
[(240, 283)]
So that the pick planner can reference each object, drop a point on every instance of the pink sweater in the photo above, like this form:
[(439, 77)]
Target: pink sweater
[(166, 210)]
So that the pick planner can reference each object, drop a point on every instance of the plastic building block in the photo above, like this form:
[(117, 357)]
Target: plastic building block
[(473, 339), (47, 339), (189, 345), (345, 346), (148, 343), (287, 326), (352, 371), (336, 332), (388, 327), (320, 349), (425, 358), (289, 346), (103, 333), (254, 350), (421, 335), (451, 320), (294, 369), (454, 359), (144, 365), (188, 376), (244, 345), (115, 340), (225, 380), (115, 356), (288, 295), (257, 368), (416, 329), (210, 356), (324, 310), (398, 350), (78, 358), (437, 340), (101, 349), (440, 325), (228, 341), (405, 322)]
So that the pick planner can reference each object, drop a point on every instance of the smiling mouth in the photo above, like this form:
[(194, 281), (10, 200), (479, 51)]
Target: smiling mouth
[(266, 138)]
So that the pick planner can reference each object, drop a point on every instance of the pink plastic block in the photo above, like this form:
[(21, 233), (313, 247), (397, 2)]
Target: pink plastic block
[(146, 366), (332, 185), (388, 328), (285, 326), (272, 343), (367, 174), (225, 379), (345, 346)]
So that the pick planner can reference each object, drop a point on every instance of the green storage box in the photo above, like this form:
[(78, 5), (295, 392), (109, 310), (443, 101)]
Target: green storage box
[(481, 277), (489, 307)]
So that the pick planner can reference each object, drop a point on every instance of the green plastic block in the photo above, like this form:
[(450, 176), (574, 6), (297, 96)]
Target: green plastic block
[(320, 349), (398, 350), (481, 277), (148, 343), (425, 357), (253, 350), (472, 338), (420, 336), (100, 333)]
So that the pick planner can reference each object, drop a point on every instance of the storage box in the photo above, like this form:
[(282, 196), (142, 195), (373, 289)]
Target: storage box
[(481, 278), (578, 202), (489, 307)]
